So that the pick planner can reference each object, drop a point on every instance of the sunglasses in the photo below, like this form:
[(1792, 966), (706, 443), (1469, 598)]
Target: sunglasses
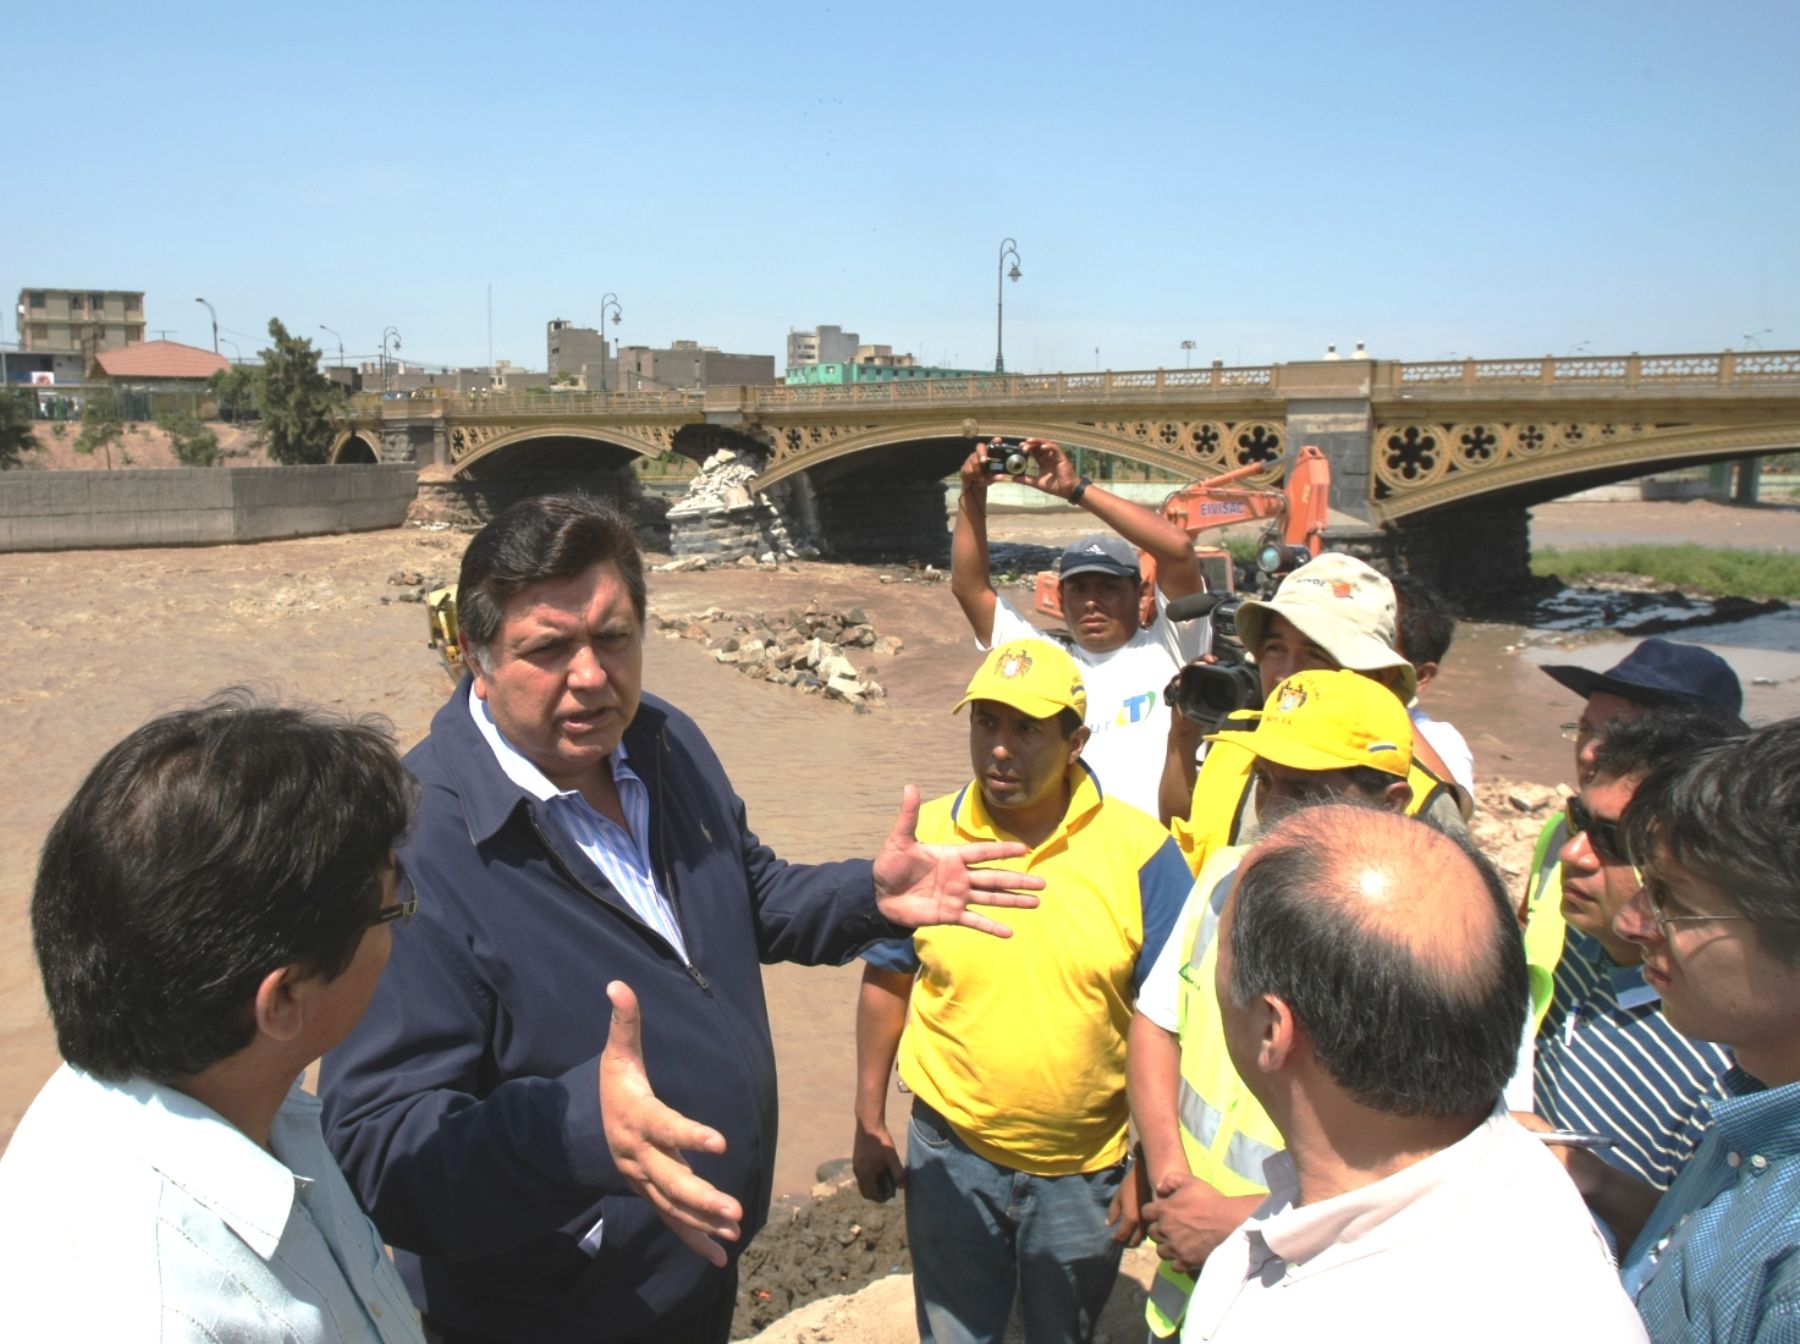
[(406, 901), (1604, 836)]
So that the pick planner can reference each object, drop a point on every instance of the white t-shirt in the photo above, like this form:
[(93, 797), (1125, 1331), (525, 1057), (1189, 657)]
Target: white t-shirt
[(1126, 712), (1451, 746)]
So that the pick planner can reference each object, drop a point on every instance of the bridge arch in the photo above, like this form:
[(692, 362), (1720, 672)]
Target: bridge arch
[(477, 450), (354, 448), (1426, 468)]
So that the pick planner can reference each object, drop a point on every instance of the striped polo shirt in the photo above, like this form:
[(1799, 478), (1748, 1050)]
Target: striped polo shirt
[(621, 855), (1608, 1061)]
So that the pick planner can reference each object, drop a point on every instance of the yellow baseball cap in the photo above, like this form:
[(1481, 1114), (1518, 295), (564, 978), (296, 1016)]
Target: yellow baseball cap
[(1034, 676), (1319, 720)]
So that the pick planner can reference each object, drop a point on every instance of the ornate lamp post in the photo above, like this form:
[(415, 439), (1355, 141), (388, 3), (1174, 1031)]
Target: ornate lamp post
[(611, 301), (1187, 354), (1008, 248), (215, 324), (387, 333)]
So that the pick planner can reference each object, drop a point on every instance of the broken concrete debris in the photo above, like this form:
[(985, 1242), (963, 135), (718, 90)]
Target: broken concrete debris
[(797, 647)]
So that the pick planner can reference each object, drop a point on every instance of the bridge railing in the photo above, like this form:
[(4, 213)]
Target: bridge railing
[(1738, 370), (1236, 383), (523, 404)]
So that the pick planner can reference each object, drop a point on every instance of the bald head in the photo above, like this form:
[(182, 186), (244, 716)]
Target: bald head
[(1394, 946)]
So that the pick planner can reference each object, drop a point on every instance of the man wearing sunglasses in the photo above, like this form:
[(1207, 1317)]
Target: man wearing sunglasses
[(212, 912), (1657, 672), (1606, 1059), (1718, 921)]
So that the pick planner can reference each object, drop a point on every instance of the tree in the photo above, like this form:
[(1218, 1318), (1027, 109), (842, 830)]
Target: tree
[(16, 433), (238, 392), (298, 400), (101, 425), (195, 445)]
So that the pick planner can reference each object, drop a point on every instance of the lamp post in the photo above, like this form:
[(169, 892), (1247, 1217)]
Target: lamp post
[(609, 300), (237, 355), (215, 323), (1187, 354), (340, 340), (1008, 248), (387, 333)]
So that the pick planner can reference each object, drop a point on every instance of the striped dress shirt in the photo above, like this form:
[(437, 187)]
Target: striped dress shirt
[(1607, 1060), (1719, 1259), (621, 854)]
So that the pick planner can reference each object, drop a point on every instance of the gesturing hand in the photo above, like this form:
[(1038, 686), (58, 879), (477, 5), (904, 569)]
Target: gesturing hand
[(646, 1139), (917, 884)]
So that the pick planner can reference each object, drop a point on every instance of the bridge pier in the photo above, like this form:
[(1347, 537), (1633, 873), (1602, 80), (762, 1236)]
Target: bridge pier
[(1469, 553), (859, 519)]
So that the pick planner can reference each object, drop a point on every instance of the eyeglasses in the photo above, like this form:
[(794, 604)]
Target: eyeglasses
[(1604, 836), (1662, 921), (1574, 732), (406, 901)]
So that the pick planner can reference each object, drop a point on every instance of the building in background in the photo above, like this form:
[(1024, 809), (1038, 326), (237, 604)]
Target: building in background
[(151, 377), (687, 366), (579, 353), (821, 345), (871, 364), (81, 322)]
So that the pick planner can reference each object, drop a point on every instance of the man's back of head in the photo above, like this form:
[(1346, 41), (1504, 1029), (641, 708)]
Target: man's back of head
[(1393, 946)]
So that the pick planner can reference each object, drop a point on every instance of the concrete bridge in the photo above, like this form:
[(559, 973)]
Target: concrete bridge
[(1443, 457)]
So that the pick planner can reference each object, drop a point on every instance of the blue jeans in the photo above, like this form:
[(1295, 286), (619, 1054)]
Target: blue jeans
[(979, 1232)]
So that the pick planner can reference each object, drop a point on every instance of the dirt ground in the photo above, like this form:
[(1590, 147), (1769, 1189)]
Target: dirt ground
[(100, 641)]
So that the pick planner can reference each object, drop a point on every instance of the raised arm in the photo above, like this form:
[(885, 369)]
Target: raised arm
[(969, 581)]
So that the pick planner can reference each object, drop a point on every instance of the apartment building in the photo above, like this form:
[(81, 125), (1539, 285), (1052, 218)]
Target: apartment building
[(79, 321)]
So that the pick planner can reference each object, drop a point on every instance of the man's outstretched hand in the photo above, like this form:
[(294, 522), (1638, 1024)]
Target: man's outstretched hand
[(917, 885), (647, 1139)]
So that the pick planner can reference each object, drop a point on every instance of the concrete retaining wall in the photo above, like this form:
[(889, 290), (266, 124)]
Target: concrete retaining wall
[(196, 506)]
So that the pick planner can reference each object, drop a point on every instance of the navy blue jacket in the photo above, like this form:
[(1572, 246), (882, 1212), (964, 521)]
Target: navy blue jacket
[(464, 1107)]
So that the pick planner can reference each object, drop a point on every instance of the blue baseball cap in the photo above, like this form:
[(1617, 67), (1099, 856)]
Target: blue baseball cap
[(1661, 672)]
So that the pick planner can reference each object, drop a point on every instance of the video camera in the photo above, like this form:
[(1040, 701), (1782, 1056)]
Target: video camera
[(1209, 693)]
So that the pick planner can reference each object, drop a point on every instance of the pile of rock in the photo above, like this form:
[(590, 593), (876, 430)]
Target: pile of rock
[(720, 517), (1507, 820), (802, 647)]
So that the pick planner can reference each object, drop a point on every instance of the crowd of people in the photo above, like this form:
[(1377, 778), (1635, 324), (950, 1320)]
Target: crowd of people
[(1245, 987)]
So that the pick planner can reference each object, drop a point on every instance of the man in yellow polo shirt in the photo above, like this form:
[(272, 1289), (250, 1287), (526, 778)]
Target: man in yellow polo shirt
[(1015, 1053), (1324, 735)]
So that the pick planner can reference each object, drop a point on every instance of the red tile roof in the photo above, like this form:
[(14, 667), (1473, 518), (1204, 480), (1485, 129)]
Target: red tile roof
[(161, 359)]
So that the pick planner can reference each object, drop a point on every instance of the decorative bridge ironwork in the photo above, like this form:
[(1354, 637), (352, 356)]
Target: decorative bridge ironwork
[(1405, 437)]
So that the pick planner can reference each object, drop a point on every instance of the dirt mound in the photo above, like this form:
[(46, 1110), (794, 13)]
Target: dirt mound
[(818, 1247)]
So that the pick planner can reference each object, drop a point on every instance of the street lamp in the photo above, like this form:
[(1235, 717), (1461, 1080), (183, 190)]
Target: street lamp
[(1187, 354), (387, 333), (215, 324), (609, 300), (237, 355), (1008, 248), (340, 340)]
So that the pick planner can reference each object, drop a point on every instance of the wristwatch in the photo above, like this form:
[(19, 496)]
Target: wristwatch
[(1079, 490)]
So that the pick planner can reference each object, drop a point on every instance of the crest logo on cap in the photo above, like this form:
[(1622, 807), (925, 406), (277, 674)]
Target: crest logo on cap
[(1340, 589), (1015, 664), (1291, 699)]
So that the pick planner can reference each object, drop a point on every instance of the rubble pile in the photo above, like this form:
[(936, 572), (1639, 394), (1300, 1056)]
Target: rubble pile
[(801, 647), (1506, 823), (721, 518), (414, 584)]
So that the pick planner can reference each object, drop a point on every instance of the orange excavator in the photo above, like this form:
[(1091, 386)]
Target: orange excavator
[(1295, 534)]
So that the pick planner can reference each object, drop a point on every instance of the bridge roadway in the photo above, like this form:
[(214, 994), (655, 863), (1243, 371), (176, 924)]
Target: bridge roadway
[(1443, 447)]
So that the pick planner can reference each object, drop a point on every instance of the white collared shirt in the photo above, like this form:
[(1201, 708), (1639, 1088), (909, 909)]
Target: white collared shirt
[(621, 853), (130, 1211), (1484, 1240)]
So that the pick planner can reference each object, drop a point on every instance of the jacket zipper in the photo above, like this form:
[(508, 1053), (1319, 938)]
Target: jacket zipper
[(659, 848)]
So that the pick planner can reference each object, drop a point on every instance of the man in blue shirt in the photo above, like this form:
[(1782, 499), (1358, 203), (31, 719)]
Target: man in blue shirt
[(1718, 918)]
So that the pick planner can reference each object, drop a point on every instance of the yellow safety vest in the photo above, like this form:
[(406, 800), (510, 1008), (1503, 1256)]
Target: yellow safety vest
[(1222, 793), (1225, 1133), (1544, 925)]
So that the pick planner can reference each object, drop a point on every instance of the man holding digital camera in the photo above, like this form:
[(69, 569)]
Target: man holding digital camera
[(1125, 664)]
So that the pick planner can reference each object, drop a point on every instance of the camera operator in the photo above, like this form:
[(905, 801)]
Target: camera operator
[(1125, 667), (1335, 612)]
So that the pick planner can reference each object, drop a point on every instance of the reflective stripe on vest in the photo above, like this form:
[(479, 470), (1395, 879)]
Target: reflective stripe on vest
[(1243, 1155)]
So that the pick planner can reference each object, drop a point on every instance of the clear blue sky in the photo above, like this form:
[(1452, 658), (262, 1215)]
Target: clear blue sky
[(1500, 179)]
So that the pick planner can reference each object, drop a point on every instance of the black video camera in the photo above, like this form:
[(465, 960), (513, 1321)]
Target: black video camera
[(1209, 693)]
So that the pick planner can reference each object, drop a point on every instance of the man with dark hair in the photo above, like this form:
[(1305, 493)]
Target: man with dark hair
[(1718, 919), (573, 832), (1425, 626), (1606, 1059), (1102, 589), (1322, 735), (1015, 1055), (1372, 988), (1656, 672), (212, 911)]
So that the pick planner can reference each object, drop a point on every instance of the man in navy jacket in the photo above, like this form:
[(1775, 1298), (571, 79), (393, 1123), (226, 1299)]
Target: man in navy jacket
[(577, 840)]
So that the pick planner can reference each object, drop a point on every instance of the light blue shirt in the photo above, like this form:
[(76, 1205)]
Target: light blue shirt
[(130, 1211), (1719, 1259), (620, 853)]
